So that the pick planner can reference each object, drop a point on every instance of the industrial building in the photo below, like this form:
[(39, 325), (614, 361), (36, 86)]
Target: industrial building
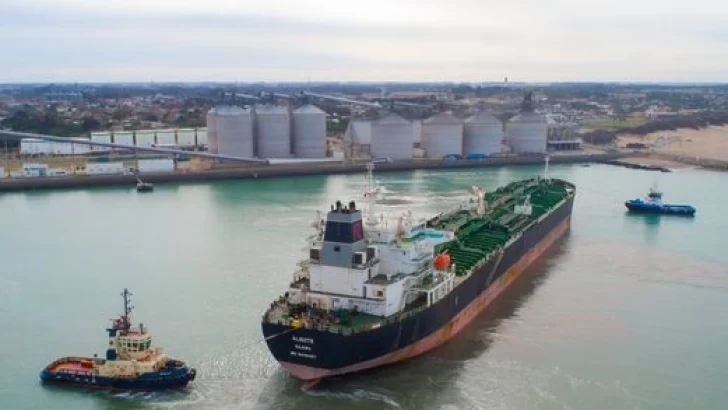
[(41, 147), (392, 137), (526, 132), (183, 138), (442, 135), (482, 134)]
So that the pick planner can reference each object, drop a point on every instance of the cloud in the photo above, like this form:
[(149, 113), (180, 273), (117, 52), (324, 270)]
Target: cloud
[(460, 40)]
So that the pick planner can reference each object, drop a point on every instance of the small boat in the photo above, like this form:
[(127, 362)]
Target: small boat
[(131, 362), (652, 204), (144, 186)]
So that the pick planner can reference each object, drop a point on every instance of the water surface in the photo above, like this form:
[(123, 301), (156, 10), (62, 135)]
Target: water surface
[(625, 313)]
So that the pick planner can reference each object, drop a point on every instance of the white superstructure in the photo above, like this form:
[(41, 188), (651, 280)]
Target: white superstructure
[(370, 265)]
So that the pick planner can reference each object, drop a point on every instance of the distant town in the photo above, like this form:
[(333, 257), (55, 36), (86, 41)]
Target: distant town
[(136, 127), (596, 112)]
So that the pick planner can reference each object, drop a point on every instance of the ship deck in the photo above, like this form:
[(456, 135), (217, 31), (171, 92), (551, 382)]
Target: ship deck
[(71, 365), (478, 237), (323, 320)]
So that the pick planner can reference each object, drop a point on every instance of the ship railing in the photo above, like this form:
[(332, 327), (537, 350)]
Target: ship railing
[(76, 372), (301, 274)]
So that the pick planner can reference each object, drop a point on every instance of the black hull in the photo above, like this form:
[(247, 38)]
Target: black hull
[(336, 352)]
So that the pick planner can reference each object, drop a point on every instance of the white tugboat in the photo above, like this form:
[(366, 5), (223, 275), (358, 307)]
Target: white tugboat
[(131, 362)]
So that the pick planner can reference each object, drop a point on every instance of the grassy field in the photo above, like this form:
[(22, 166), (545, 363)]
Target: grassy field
[(610, 124)]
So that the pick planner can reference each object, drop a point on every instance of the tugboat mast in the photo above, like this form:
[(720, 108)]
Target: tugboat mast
[(127, 307)]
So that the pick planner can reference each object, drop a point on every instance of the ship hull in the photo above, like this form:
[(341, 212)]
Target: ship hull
[(643, 208), (167, 378), (310, 355)]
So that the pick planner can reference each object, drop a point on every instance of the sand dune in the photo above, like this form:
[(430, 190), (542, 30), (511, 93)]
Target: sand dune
[(711, 142)]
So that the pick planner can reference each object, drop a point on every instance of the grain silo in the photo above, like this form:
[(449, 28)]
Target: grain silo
[(482, 134), (233, 131), (392, 137), (211, 133), (309, 132), (417, 132), (526, 132), (442, 135), (273, 132)]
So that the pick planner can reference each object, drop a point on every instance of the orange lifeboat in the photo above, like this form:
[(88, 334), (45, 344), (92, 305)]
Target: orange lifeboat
[(441, 261)]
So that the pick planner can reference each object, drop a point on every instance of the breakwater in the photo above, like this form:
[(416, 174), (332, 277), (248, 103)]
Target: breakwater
[(286, 170)]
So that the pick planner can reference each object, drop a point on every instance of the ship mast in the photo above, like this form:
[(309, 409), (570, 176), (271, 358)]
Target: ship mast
[(126, 295), (546, 168), (370, 193)]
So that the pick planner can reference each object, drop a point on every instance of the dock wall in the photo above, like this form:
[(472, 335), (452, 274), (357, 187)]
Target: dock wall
[(285, 170)]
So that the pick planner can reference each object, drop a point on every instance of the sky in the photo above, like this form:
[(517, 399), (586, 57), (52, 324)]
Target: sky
[(363, 40)]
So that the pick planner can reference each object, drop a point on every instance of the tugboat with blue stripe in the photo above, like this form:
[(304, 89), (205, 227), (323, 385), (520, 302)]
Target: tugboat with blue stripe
[(652, 204), (131, 362)]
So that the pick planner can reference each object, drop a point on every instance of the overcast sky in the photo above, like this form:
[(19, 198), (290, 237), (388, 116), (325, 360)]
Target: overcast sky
[(367, 40)]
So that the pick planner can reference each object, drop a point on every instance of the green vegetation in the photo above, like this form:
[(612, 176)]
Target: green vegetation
[(609, 124), (49, 122)]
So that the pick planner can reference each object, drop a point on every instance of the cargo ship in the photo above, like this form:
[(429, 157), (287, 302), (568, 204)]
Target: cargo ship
[(372, 293), (131, 362)]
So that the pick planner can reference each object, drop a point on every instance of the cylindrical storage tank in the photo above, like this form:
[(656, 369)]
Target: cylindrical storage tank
[(392, 137), (526, 133), (417, 132), (211, 131), (273, 132), (482, 134), (233, 132), (309, 132), (442, 135)]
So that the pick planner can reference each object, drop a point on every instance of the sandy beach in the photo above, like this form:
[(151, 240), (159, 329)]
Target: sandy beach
[(711, 142)]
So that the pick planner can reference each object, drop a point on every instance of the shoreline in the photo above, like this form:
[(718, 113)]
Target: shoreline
[(288, 170)]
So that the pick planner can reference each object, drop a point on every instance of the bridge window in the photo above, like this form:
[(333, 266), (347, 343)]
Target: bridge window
[(344, 232)]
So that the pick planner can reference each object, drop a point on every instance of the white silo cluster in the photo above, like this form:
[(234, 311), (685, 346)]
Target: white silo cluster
[(267, 131), (442, 135), (230, 131), (482, 134), (392, 137), (526, 133)]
